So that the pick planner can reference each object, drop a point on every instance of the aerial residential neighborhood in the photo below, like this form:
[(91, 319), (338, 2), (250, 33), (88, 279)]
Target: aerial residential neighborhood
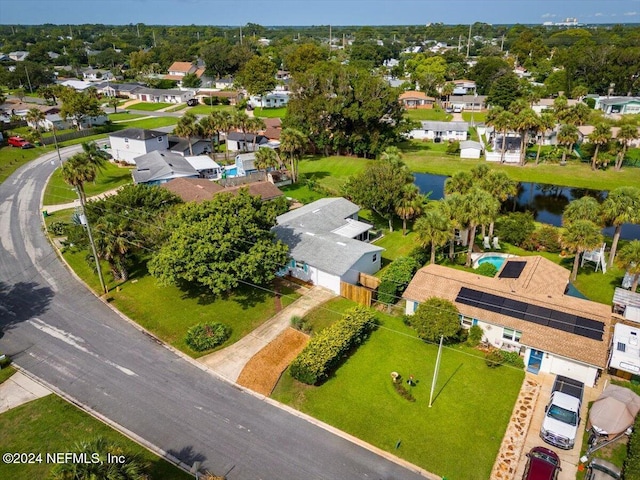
[(298, 241)]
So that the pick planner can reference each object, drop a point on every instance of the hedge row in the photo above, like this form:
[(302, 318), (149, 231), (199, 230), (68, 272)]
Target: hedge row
[(631, 468), (396, 278), (326, 349)]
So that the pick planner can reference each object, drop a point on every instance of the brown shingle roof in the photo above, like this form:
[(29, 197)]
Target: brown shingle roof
[(414, 94), (199, 190), (181, 67), (541, 283)]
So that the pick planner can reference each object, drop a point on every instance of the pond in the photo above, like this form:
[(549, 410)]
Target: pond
[(545, 201)]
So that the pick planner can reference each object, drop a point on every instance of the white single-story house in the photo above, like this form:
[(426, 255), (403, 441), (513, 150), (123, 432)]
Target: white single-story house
[(156, 168), (128, 144), (547, 104), (470, 149), (414, 99), (248, 142), (79, 85), (625, 350), (444, 131), (97, 75), (273, 99), (119, 89), (464, 87), (156, 95), (524, 309), (468, 103), (51, 120), (205, 166), (327, 243), (618, 105)]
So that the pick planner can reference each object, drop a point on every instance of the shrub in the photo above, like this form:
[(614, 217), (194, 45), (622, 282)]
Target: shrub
[(300, 324), (493, 358), (515, 227), (387, 292), (546, 238), (487, 269), (420, 255), (512, 358), (58, 228), (325, 350), (631, 468), (402, 390), (453, 148), (475, 336), (396, 278), (434, 318), (205, 336)]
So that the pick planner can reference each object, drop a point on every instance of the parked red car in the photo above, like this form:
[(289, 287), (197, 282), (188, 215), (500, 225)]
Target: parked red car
[(19, 142), (543, 464)]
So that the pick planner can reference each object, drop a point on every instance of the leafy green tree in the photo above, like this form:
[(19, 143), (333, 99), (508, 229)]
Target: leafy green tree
[(292, 144), (99, 449), (567, 136), (629, 260), (258, 76), (428, 72), (188, 127), (486, 71), (219, 244), (435, 318), (434, 229), (303, 57), (266, 158), (622, 205), (600, 136), (37, 117), (504, 91), (578, 237), (78, 106), (113, 102), (380, 186), (191, 80), (627, 133), (585, 208), (217, 56)]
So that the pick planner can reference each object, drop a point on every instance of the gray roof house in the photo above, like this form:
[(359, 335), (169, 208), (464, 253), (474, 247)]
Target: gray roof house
[(156, 168), (444, 131), (618, 105), (327, 243)]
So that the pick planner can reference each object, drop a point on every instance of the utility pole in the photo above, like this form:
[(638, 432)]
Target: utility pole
[(28, 81), (469, 41), (154, 39), (81, 195), (502, 46), (330, 43), (435, 372), (240, 34), (138, 29)]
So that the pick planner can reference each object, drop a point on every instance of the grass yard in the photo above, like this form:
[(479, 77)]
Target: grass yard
[(437, 114), (58, 192), (12, 158), (120, 116), (280, 112), (6, 372), (207, 109), (149, 106), (50, 425), (177, 108), (150, 123), (478, 117), (301, 192), (470, 411), (168, 312)]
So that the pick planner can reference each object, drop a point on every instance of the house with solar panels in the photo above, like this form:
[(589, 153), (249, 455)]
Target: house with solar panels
[(525, 308)]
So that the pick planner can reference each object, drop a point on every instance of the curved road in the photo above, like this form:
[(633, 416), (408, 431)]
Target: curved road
[(61, 333)]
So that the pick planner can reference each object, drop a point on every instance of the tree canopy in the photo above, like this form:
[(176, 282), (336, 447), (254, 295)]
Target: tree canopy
[(434, 318)]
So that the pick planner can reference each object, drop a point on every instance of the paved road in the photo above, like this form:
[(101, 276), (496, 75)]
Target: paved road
[(59, 332)]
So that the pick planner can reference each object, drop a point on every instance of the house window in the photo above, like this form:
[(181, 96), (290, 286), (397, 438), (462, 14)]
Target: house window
[(160, 139), (511, 334), (126, 140), (375, 257)]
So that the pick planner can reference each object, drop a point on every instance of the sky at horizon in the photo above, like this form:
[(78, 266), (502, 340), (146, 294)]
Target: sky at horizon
[(315, 12)]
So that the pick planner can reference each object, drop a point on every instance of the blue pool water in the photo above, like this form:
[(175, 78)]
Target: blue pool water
[(231, 171), (495, 261)]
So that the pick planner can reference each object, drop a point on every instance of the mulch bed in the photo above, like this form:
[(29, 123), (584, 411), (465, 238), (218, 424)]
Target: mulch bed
[(263, 371)]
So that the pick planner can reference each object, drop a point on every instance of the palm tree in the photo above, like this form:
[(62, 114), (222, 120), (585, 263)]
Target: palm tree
[(579, 236), (76, 172), (242, 121), (502, 122), (578, 114), (292, 144), (546, 122), (600, 136), (266, 158), (207, 128), (479, 207), (114, 240), (622, 205), (36, 117), (500, 186), (95, 155), (454, 209), (629, 260), (524, 121), (585, 208), (434, 228), (561, 108), (188, 128), (410, 205), (568, 136), (133, 467), (447, 90), (627, 133), (255, 125), (219, 121), (460, 182)]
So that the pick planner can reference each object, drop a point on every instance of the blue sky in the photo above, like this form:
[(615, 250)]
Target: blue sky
[(314, 12)]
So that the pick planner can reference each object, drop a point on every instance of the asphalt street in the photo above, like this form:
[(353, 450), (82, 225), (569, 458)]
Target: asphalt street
[(59, 332)]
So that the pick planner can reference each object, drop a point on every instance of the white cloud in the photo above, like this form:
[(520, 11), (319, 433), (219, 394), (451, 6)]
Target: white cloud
[(549, 15), (630, 14), (599, 14)]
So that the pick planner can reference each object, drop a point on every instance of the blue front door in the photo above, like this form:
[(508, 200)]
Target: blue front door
[(535, 360)]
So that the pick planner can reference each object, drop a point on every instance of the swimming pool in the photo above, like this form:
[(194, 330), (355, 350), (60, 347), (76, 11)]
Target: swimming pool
[(493, 260), (231, 171)]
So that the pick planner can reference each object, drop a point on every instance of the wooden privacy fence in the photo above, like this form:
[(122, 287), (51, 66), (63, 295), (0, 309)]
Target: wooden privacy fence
[(369, 281), (361, 295)]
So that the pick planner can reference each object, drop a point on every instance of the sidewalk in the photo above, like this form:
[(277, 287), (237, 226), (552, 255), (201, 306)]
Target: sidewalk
[(76, 203), (19, 389), (230, 361)]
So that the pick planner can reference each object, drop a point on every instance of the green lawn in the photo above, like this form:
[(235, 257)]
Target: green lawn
[(207, 109), (116, 117), (270, 112), (301, 192), (58, 192), (150, 123), (168, 312), (478, 117), (50, 425), (470, 411), (437, 114), (12, 158), (6, 372), (177, 108), (149, 106)]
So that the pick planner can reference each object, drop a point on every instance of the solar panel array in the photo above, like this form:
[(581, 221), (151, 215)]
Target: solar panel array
[(544, 316), (512, 269)]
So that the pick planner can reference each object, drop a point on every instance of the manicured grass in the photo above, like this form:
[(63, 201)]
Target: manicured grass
[(12, 158), (6, 372), (301, 192), (270, 112), (149, 106), (437, 114), (177, 108), (478, 117), (330, 173), (207, 109), (150, 123), (112, 176), (50, 425), (470, 411), (321, 317), (168, 312), (116, 117)]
